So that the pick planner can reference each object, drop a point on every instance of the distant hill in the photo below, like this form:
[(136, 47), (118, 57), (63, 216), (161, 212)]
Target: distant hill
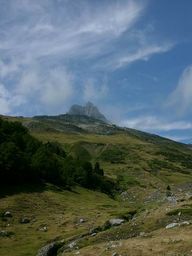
[(88, 110)]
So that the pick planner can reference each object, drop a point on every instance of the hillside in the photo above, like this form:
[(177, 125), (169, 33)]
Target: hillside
[(154, 177)]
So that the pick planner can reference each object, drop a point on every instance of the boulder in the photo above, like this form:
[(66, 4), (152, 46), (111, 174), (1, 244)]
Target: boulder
[(116, 222), (172, 199), (24, 220), (93, 234), (172, 225), (49, 249), (43, 228), (72, 244), (185, 223), (4, 233), (7, 214)]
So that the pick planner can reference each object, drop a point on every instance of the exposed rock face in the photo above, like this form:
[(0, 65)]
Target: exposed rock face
[(49, 249), (88, 110)]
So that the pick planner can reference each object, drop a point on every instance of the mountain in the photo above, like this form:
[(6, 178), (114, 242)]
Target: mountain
[(154, 177), (88, 110)]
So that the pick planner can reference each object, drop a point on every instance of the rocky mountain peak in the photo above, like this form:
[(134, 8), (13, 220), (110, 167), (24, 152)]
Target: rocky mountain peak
[(89, 110)]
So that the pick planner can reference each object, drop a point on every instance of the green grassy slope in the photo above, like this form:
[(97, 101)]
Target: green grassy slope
[(143, 164)]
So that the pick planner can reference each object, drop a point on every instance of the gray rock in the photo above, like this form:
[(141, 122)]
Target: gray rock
[(72, 244), (7, 214), (24, 220), (4, 233), (116, 222), (185, 223), (43, 228), (48, 250), (81, 220), (88, 110), (115, 254), (175, 224), (172, 199), (142, 234), (172, 225), (124, 195), (93, 234)]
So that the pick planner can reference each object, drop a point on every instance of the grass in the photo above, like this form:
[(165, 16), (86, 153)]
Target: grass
[(144, 166), (59, 210)]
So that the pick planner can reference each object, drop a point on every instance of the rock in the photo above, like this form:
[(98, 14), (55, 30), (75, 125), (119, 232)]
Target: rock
[(93, 234), (125, 195), (115, 254), (49, 249), (72, 245), (4, 233), (172, 225), (172, 199), (116, 222), (184, 223), (24, 220), (43, 228), (81, 220), (113, 244), (142, 234), (88, 110), (7, 214)]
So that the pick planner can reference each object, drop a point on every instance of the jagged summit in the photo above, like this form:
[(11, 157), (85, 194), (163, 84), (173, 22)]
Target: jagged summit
[(88, 110)]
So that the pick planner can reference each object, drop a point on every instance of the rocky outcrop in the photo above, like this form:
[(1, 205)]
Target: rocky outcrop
[(88, 110), (50, 249)]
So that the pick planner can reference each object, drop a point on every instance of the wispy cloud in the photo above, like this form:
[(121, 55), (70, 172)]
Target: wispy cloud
[(181, 97), (143, 53), (49, 89), (41, 42), (152, 123), (68, 29)]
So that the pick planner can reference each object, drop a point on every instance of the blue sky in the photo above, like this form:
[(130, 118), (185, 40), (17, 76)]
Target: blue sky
[(132, 58)]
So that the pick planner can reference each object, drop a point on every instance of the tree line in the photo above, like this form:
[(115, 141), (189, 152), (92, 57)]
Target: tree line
[(24, 159)]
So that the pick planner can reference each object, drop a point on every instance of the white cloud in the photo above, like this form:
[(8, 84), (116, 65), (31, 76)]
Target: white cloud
[(41, 42), (58, 88), (94, 91), (181, 97), (152, 123), (66, 30), (143, 53), (114, 18), (8, 68), (8, 100), (49, 89), (4, 100)]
